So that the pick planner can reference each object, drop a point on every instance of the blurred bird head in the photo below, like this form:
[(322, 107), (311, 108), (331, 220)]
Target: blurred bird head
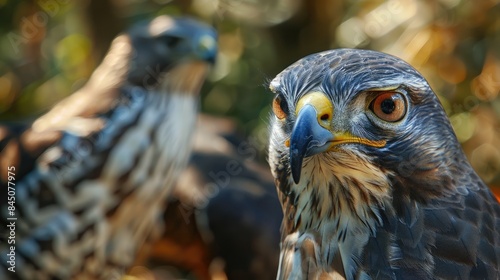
[(162, 57), (165, 54), (356, 128)]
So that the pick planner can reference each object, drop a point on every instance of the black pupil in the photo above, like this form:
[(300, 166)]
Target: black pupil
[(388, 106), (283, 104)]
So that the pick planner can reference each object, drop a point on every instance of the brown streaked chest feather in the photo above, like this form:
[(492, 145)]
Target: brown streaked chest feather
[(330, 215), (91, 201)]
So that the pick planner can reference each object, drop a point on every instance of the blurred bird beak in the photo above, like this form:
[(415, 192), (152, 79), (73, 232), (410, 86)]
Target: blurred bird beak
[(313, 132)]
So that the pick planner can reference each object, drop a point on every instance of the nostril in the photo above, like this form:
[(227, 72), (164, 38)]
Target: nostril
[(324, 117)]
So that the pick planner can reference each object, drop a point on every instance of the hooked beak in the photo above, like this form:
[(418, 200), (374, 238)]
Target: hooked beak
[(313, 132), (308, 138)]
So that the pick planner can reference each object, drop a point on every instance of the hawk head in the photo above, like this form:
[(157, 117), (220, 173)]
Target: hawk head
[(162, 57), (165, 44), (356, 131), (372, 180)]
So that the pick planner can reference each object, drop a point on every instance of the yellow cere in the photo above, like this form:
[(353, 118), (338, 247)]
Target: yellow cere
[(321, 103), (207, 42)]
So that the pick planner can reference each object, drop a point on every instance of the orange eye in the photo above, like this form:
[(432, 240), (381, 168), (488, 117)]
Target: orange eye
[(389, 106), (280, 107)]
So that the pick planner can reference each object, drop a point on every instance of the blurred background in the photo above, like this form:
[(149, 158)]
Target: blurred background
[(49, 48)]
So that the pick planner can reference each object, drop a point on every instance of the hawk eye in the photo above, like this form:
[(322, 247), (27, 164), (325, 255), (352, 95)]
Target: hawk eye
[(280, 107), (389, 106), (169, 41)]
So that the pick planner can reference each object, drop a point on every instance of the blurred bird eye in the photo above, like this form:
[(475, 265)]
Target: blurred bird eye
[(280, 107), (389, 106), (169, 41)]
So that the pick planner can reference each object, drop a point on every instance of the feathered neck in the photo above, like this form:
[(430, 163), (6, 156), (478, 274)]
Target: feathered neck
[(335, 211), (343, 188)]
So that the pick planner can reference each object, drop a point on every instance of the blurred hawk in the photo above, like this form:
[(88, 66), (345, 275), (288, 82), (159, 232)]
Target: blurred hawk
[(372, 180), (223, 216), (91, 175)]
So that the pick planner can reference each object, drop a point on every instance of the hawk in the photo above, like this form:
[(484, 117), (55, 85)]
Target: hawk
[(91, 175), (372, 180)]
